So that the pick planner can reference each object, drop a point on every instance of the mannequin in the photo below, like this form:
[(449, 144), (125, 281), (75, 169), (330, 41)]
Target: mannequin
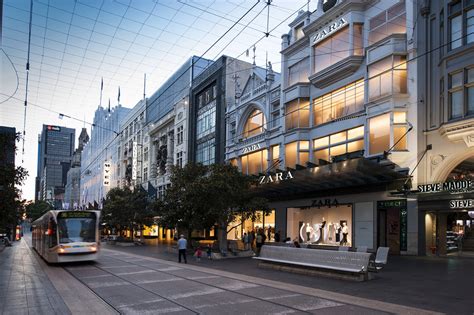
[(309, 229), (321, 231), (332, 231), (345, 232), (338, 232)]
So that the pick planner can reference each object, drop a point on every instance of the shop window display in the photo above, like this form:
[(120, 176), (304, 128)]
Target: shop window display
[(321, 226), (237, 228)]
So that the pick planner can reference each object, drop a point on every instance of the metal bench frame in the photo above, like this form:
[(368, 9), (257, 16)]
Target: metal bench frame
[(354, 262)]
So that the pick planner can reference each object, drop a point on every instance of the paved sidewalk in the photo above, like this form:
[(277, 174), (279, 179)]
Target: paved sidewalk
[(24, 287), (437, 284), (135, 284)]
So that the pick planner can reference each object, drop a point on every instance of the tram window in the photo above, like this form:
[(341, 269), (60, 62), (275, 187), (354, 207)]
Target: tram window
[(81, 229), (52, 234)]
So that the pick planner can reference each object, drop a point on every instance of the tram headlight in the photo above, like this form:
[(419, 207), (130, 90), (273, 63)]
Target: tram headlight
[(61, 250), (93, 248)]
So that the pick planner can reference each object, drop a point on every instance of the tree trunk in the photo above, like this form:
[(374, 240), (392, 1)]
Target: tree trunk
[(222, 236)]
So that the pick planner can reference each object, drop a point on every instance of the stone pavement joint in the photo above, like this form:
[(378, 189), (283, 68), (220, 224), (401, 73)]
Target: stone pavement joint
[(334, 296)]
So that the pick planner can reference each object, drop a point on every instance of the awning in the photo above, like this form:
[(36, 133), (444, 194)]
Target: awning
[(345, 177)]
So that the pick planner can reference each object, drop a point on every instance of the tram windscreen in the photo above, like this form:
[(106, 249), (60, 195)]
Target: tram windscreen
[(76, 226)]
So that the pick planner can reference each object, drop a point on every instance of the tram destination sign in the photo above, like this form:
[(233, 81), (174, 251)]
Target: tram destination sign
[(76, 214), (452, 187)]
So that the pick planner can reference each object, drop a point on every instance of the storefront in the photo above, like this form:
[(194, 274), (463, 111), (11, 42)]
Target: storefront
[(447, 217), (237, 229), (345, 203)]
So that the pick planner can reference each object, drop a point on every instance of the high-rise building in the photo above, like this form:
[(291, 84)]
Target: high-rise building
[(7, 166), (55, 150), (96, 157), (72, 193)]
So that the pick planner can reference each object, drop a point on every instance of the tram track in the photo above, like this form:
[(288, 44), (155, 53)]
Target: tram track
[(174, 301)]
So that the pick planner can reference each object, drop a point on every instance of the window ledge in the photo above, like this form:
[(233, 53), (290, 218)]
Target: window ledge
[(459, 129), (336, 72), (383, 98)]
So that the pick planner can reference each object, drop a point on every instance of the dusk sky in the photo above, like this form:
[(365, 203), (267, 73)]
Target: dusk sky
[(76, 43)]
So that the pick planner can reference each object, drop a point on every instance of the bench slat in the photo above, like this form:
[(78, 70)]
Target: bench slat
[(312, 265), (343, 261)]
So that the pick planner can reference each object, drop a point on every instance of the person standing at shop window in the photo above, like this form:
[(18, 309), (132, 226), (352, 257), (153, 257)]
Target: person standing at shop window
[(246, 241), (182, 245), (277, 237), (260, 240)]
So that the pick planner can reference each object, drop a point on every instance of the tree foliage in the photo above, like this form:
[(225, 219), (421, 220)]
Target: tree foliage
[(202, 196), (34, 210), (125, 208), (11, 178)]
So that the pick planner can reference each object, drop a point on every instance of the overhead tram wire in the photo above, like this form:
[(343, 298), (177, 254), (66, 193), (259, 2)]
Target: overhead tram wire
[(16, 75), (192, 64), (218, 15), (428, 52), (223, 142), (26, 84)]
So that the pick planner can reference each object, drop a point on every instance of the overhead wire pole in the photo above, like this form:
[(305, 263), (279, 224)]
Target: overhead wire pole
[(26, 84)]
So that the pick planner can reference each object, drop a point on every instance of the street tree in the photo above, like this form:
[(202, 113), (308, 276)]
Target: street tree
[(202, 196), (34, 210), (231, 197), (11, 179), (185, 203), (127, 209)]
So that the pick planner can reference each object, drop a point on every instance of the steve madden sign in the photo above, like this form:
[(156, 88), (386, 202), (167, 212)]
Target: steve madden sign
[(454, 186), (278, 177), (461, 204), (328, 30), (251, 148)]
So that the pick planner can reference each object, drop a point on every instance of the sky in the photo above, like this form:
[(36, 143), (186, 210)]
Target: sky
[(77, 43)]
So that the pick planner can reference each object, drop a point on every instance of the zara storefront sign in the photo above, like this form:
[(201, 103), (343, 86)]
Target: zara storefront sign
[(134, 160), (453, 186), (461, 204), (251, 148), (278, 177), (328, 30)]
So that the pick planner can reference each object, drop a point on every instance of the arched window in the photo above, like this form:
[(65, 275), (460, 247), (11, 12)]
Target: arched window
[(254, 124)]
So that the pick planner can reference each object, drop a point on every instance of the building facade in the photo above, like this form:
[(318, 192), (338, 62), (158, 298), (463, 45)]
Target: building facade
[(212, 92), (346, 137), (446, 87), (72, 192), (253, 124), (55, 152), (167, 128), (97, 156)]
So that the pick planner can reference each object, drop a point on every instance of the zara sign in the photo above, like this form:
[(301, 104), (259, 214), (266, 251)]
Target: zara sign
[(278, 177), (328, 30), (251, 148)]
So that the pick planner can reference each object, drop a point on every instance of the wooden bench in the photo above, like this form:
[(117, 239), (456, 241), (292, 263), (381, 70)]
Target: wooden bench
[(341, 264)]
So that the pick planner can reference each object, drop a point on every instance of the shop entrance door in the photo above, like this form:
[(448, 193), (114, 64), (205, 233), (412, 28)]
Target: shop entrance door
[(389, 230), (392, 225)]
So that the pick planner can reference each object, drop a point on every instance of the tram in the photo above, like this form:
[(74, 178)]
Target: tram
[(66, 235)]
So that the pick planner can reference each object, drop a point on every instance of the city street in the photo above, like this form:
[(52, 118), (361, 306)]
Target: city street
[(138, 283)]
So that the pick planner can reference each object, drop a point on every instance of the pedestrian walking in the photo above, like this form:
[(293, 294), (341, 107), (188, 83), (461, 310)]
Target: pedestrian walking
[(209, 251), (198, 253), (251, 238), (246, 241), (182, 245)]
